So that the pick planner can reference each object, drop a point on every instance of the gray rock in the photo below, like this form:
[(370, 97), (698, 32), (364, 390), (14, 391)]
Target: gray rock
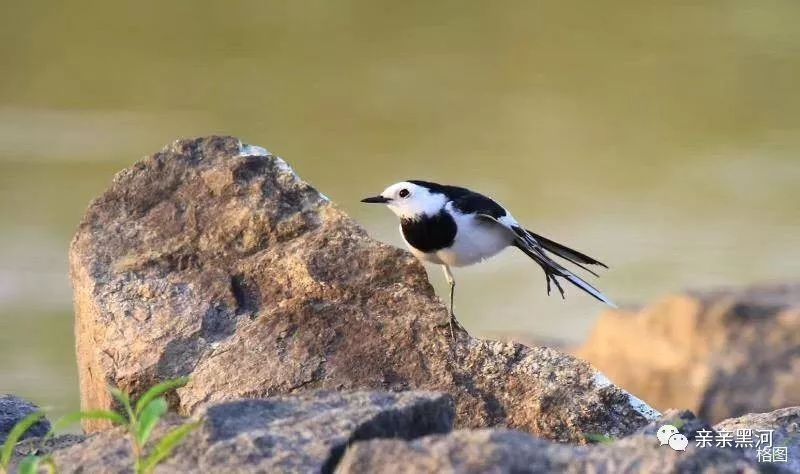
[(306, 433), (706, 350), (785, 424), (501, 451), (12, 410), (505, 451), (39, 446), (215, 260)]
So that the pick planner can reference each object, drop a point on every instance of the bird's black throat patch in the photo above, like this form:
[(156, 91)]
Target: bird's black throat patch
[(430, 233)]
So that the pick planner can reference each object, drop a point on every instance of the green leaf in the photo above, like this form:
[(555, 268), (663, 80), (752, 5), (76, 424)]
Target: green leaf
[(29, 465), (598, 438), (158, 390), (166, 444), (15, 434), (74, 417), (678, 423), (49, 463), (149, 418), (123, 399)]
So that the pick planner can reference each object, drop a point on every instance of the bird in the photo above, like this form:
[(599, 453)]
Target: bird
[(453, 226)]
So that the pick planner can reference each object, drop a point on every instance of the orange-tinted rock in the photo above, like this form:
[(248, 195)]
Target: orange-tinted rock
[(721, 353)]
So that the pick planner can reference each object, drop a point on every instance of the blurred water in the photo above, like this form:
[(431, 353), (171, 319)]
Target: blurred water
[(660, 137)]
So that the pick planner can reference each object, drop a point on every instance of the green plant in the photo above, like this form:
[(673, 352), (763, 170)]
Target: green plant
[(677, 423), (14, 435), (139, 420), (598, 438), (31, 464)]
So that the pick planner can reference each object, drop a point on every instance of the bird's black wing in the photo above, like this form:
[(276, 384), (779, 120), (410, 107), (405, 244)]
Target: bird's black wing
[(465, 200), (475, 203)]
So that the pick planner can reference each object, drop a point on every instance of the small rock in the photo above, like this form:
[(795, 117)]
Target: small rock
[(38, 446), (706, 350), (12, 410)]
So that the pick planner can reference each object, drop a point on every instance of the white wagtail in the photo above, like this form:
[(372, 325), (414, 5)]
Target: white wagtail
[(455, 227)]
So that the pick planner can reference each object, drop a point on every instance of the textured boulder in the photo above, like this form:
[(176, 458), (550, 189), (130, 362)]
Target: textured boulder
[(306, 433), (12, 410), (721, 353), (785, 427), (213, 259)]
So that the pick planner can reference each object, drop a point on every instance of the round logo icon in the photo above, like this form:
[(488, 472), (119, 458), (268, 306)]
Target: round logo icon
[(678, 442), (664, 433)]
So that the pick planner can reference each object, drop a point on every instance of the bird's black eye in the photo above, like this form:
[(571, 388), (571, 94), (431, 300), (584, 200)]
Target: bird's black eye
[(403, 193)]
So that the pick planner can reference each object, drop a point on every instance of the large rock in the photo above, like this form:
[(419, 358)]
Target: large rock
[(499, 450), (213, 259), (305, 433), (12, 410), (721, 353)]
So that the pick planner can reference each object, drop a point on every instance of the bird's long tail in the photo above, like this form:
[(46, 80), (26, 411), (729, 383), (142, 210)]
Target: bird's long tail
[(552, 270), (571, 255)]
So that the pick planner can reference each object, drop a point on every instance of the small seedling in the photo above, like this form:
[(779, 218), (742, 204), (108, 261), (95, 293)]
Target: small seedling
[(139, 420), (14, 435), (141, 417), (677, 423), (598, 438)]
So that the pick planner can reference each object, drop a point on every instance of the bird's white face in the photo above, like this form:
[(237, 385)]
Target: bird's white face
[(408, 200)]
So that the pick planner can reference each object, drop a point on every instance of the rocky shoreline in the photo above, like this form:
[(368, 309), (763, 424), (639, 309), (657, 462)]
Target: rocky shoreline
[(311, 347)]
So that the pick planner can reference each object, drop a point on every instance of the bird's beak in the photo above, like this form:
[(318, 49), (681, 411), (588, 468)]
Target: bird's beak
[(376, 200)]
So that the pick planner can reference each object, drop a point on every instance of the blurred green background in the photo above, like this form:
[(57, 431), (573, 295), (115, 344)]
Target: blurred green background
[(660, 137)]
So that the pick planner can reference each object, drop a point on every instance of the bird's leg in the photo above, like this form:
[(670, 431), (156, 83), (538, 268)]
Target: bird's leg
[(452, 282), (452, 315)]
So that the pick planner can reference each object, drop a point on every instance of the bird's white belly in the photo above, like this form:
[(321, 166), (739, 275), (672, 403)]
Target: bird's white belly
[(476, 240)]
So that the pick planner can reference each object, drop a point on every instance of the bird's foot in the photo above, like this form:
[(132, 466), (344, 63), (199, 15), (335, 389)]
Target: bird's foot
[(454, 326), (549, 277)]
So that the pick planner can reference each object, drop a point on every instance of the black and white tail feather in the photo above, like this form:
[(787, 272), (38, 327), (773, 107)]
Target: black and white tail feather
[(535, 246)]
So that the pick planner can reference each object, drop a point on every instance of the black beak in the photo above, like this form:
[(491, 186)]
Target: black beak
[(376, 200)]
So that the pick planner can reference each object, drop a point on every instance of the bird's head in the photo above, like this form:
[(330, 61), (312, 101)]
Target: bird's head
[(409, 200)]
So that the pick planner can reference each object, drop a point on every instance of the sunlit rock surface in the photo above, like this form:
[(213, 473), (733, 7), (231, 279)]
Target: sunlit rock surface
[(719, 353), (213, 259)]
